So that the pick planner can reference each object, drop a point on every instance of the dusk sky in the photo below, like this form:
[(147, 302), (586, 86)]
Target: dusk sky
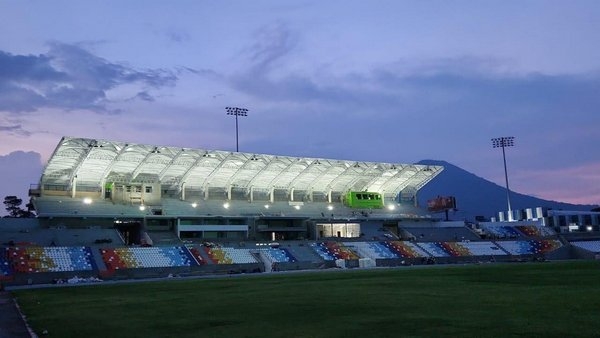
[(382, 81)]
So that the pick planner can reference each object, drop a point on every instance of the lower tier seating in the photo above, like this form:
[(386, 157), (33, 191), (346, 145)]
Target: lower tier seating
[(373, 250), (278, 255), (435, 249), (330, 251), (5, 266), (518, 231), (530, 247), (485, 248), (406, 249), (227, 255), (535, 230), (196, 254), (35, 259), (146, 257), (501, 231), (593, 246)]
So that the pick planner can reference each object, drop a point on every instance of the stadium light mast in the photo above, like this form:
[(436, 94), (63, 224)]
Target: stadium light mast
[(235, 111), (503, 142)]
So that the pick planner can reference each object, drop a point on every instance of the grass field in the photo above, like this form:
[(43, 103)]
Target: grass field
[(499, 300)]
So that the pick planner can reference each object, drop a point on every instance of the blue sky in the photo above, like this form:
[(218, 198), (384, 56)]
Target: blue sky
[(384, 81)]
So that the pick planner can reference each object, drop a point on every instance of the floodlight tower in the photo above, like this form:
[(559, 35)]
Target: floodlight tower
[(235, 111), (503, 142)]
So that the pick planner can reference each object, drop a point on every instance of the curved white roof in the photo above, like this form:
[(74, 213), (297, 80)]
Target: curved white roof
[(92, 163)]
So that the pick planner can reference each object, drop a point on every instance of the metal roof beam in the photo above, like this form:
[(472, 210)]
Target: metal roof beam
[(340, 176), (269, 164), (308, 169), (291, 163), (165, 170), (358, 174), (409, 180), (247, 162), (396, 176), (113, 163), (91, 145), (217, 168), (329, 167)]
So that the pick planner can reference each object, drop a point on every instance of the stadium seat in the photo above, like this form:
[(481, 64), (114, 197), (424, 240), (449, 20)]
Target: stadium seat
[(593, 246), (146, 257), (530, 247), (36, 259), (406, 249), (330, 251)]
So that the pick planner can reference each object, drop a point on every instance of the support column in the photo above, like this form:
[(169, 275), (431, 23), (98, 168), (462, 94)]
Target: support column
[(73, 187)]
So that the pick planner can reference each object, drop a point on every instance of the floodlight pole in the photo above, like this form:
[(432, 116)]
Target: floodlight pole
[(503, 142), (235, 111)]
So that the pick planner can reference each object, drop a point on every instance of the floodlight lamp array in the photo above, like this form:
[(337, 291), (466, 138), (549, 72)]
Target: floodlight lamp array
[(502, 142), (236, 111)]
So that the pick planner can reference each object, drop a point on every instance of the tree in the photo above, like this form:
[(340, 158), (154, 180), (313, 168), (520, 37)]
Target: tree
[(13, 206), (30, 212)]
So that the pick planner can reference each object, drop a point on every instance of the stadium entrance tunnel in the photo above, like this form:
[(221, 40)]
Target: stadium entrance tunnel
[(342, 230), (131, 231), (281, 235)]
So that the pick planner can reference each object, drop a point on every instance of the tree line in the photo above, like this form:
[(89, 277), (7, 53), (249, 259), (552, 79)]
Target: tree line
[(13, 207)]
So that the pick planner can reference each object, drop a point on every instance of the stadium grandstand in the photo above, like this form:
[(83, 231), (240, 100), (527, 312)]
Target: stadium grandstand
[(216, 194), (118, 210)]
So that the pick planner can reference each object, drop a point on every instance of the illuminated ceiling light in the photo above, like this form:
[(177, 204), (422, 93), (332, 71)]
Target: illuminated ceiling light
[(226, 205), (297, 207), (87, 200), (267, 206), (330, 207), (391, 207), (194, 205), (142, 207)]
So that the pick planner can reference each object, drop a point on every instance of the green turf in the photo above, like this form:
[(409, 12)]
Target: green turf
[(503, 300)]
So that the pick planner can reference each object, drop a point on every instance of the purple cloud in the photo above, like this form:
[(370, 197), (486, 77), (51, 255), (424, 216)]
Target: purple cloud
[(16, 129), (69, 77)]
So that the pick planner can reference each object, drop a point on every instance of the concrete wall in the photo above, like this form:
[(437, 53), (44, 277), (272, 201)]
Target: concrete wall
[(16, 224)]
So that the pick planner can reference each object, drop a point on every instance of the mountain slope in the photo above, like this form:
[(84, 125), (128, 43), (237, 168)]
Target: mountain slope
[(476, 196)]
